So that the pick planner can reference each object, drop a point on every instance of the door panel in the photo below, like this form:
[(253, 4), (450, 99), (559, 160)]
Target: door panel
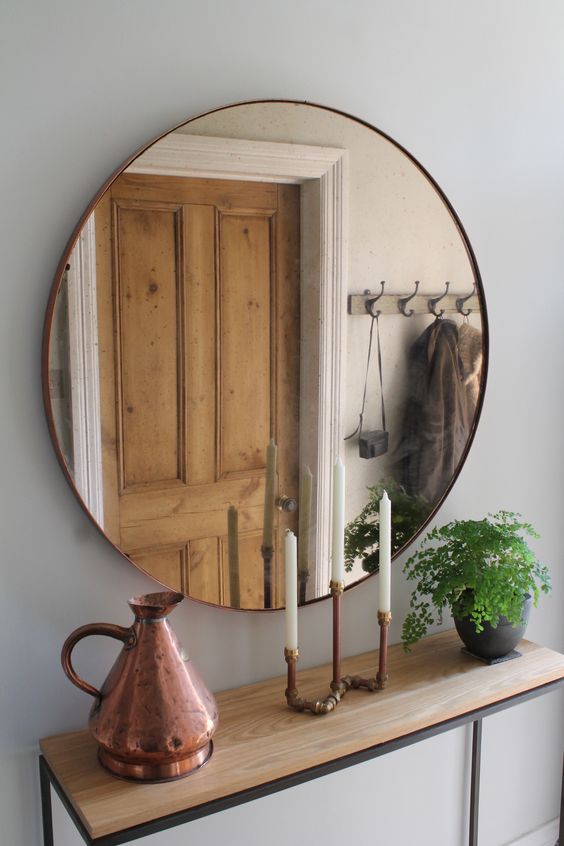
[(204, 577), (200, 323), (209, 269), (250, 576), (150, 337), (166, 565), (244, 342)]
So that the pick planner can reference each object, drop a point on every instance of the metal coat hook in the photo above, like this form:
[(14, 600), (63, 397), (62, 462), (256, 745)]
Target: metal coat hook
[(403, 301), (432, 303), (369, 304), (461, 300)]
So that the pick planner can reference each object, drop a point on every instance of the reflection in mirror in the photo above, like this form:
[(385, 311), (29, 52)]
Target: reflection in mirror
[(221, 334)]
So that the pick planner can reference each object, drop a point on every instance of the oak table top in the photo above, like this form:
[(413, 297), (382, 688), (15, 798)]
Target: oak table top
[(261, 743)]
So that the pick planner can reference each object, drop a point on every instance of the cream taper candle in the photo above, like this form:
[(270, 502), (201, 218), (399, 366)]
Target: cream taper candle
[(269, 496), (306, 483), (385, 554), (291, 572), (338, 546)]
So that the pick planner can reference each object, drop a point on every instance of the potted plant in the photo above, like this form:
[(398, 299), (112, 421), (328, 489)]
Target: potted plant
[(362, 534), (487, 575)]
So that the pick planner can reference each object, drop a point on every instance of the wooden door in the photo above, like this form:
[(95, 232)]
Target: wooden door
[(198, 297)]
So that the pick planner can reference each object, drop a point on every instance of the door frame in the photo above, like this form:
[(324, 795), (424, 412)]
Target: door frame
[(84, 373), (323, 174)]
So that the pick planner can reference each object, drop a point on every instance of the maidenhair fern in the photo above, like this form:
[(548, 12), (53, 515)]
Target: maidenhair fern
[(479, 569)]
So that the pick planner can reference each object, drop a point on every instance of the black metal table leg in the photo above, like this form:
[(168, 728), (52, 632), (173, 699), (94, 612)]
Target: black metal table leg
[(475, 781), (46, 809), (561, 826)]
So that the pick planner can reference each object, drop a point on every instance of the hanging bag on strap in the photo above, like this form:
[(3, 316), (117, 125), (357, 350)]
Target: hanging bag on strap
[(374, 443)]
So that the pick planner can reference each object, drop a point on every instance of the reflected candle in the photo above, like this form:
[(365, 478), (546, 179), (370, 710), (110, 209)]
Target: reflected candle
[(306, 483), (385, 554), (233, 555), (291, 572), (338, 546), (269, 494)]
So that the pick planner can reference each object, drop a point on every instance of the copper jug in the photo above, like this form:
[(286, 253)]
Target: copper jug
[(154, 717)]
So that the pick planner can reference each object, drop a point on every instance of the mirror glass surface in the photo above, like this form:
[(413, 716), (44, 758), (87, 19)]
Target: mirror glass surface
[(214, 343)]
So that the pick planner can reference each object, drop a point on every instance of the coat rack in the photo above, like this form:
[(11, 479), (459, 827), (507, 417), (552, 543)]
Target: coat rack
[(414, 303)]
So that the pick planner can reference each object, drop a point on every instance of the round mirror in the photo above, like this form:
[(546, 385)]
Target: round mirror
[(267, 288)]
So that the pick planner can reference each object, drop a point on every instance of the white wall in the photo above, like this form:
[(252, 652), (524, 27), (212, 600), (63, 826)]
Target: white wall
[(475, 91)]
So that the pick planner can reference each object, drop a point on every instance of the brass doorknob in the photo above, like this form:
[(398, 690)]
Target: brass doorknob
[(286, 503)]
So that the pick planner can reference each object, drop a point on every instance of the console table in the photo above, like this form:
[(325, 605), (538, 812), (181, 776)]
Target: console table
[(262, 746)]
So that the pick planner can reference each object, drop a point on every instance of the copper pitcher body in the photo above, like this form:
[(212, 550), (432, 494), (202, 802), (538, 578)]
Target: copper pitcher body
[(154, 717)]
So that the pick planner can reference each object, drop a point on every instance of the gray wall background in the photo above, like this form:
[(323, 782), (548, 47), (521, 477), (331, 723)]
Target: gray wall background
[(475, 92)]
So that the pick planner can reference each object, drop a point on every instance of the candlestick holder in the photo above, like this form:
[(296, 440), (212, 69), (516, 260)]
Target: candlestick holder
[(297, 702), (339, 685), (379, 681)]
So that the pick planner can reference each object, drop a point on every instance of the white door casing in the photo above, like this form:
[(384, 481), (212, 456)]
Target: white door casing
[(322, 173), (84, 375)]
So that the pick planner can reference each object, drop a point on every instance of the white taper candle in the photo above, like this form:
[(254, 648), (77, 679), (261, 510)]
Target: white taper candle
[(385, 556), (291, 572)]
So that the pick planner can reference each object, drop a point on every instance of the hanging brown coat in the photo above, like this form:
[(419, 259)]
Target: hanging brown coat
[(440, 408)]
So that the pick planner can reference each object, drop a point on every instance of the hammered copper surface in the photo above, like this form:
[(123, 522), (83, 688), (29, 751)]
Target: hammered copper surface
[(154, 716)]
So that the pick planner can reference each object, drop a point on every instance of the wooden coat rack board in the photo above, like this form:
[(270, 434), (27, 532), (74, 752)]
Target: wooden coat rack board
[(370, 302)]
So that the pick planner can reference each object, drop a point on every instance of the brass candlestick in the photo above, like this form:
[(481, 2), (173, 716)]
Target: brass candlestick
[(339, 685), (293, 698), (379, 681), (384, 620)]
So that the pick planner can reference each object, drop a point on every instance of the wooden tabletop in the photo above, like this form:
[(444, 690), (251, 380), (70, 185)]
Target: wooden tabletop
[(260, 739)]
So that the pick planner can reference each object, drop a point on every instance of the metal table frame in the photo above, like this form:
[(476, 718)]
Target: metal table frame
[(48, 779)]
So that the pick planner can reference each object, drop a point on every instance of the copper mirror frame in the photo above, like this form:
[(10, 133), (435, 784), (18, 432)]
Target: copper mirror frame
[(231, 213)]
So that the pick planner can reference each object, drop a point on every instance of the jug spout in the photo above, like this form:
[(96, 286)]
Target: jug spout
[(154, 606)]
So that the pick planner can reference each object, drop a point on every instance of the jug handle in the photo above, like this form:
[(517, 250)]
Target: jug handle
[(127, 636)]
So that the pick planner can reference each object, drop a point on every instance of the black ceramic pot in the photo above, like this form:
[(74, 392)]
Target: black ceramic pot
[(494, 643)]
